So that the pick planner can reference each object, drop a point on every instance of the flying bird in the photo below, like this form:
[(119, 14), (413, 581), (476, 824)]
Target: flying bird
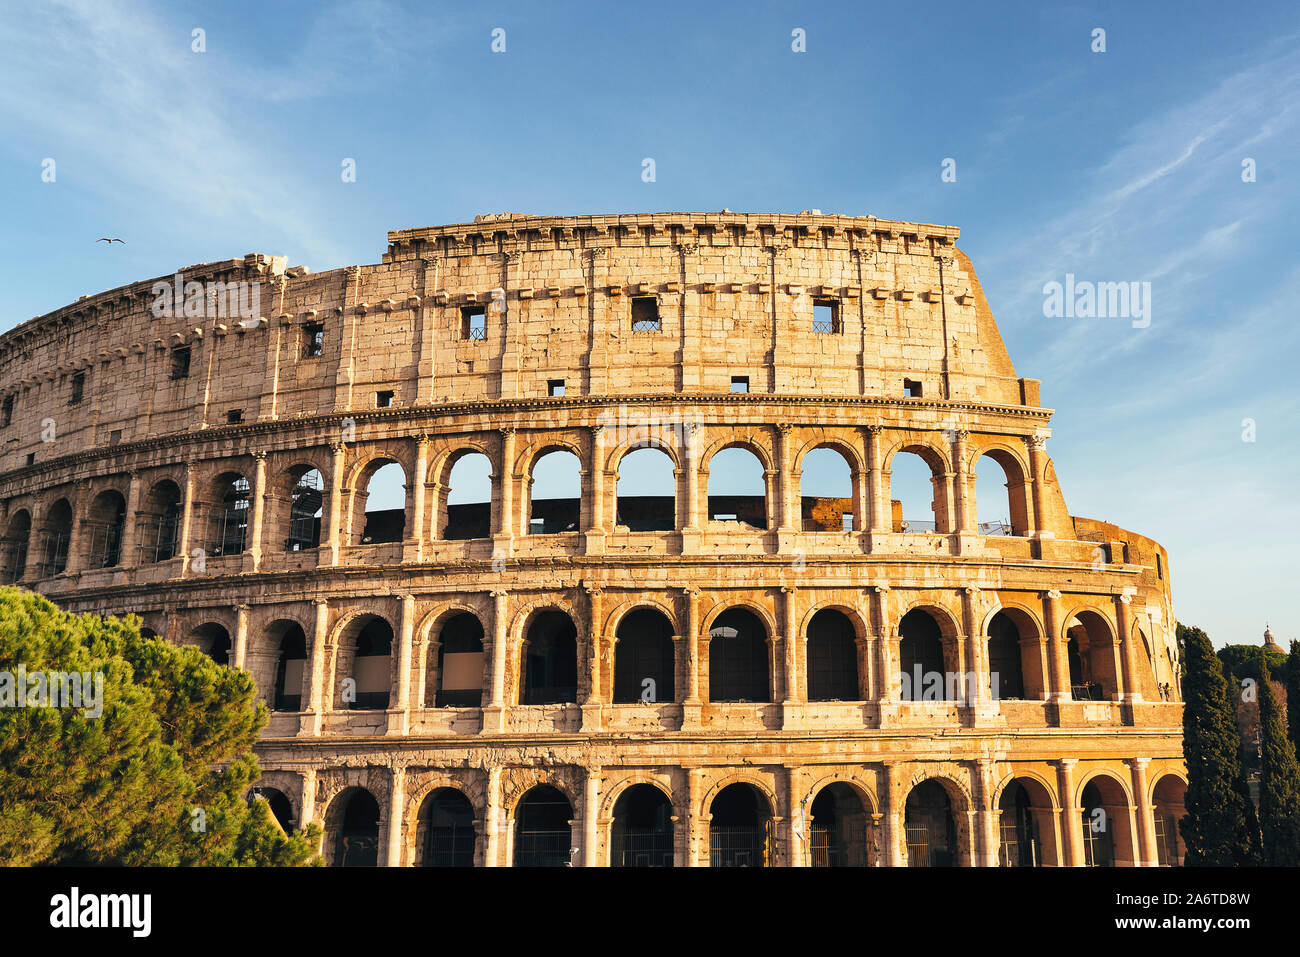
[(105, 239)]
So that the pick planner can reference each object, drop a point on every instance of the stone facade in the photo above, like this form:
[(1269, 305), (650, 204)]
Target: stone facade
[(154, 464)]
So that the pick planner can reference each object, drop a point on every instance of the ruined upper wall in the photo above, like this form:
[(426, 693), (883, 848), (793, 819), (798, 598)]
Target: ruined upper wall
[(734, 293)]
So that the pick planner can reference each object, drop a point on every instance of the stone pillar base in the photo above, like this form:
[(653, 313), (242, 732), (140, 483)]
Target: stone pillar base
[(494, 719), (692, 712), (595, 541), (309, 724), (591, 717), (399, 722), (690, 540), (787, 539)]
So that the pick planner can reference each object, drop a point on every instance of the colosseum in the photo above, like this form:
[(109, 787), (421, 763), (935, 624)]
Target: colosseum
[(410, 500)]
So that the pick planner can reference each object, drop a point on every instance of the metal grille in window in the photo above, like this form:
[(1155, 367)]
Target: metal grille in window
[(739, 846), (159, 538), (15, 560), (304, 522), (826, 317), (645, 314), (105, 544), (55, 553), (645, 847), (230, 523), (824, 325), (539, 848)]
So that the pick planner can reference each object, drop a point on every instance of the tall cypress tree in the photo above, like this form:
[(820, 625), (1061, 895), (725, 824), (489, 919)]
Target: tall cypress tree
[(1279, 781), (1218, 828), (1293, 695)]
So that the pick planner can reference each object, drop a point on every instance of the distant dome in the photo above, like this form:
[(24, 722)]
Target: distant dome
[(1269, 643)]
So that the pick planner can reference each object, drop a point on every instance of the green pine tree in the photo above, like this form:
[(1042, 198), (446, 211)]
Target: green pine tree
[(1293, 695), (1219, 827), (158, 778), (1279, 781)]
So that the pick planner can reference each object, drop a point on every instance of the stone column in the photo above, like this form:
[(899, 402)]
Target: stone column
[(598, 518), (692, 818), (506, 523), (878, 517), (865, 648), (688, 490), (316, 701), (257, 510), (789, 518), (797, 838), (494, 713), (894, 804), (771, 498), (965, 523), (1037, 463), (187, 519), (976, 663), (334, 533), (77, 534), (888, 691), (130, 528), (399, 717), (1058, 658), (990, 839), (307, 808), (240, 651), (692, 704), (396, 816), (590, 813), (417, 534), (1071, 823), (591, 707), (1145, 852), (1128, 644), (794, 686), (492, 819)]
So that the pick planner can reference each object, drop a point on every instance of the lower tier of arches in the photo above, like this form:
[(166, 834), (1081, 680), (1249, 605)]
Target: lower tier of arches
[(1119, 811)]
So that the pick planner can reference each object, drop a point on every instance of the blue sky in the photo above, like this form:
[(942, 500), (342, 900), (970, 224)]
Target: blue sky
[(1117, 166)]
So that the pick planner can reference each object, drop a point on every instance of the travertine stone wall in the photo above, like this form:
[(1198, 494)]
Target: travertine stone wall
[(735, 297)]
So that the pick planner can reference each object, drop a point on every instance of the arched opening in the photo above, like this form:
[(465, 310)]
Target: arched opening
[(738, 658), (551, 660), (930, 827), (354, 823), (160, 525), (740, 828), (228, 514), (1006, 674), (1000, 504), (104, 526), (279, 806), (290, 665), (643, 658), (468, 497), (832, 657), (920, 654), (306, 507), (1170, 797), (1025, 825), (460, 663), (643, 828), (385, 513), (56, 532), (555, 494), (827, 492), (737, 490), (1107, 841), (446, 821), (918, 498), (365, 664), (213, 640), (1091, 655), (838, 835), (543, 833), (647, 491), (17, 535)]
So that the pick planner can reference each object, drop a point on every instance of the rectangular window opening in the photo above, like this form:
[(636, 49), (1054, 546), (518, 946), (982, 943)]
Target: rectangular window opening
[(234, 416), (115, 437), (383, 398), (31, 458), (912, 388), (7, 412), (645, 314), (313, 340), (555, 387), (473, 323), (180, 363), (78, 388), (826, 316), (740, 383)]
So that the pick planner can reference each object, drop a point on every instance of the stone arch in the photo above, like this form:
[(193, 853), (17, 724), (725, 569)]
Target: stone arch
[(542, 827), (732, 776), (831, 659), (296, 504), (765, 614), (829, 439), (1168, 800), (548, 659), (213, 639), (1113, 842), (17, 541), (838, 821), (827, 513), (565, 513), (1046, 783), (1092, 653), (623, 608), (158, 522), (652, 505), (454, 675), (526, 458), (445, 843), (374, 525), (55, 537), (350, 839), (936, 460), (931, 838), (752, 442), (636, 777), (1026, 810), (103, 527), (733, 842), (642, 827), (615, 456), (455, 521), (644, 658), (865, 792), (740, 666), (372, 673)]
